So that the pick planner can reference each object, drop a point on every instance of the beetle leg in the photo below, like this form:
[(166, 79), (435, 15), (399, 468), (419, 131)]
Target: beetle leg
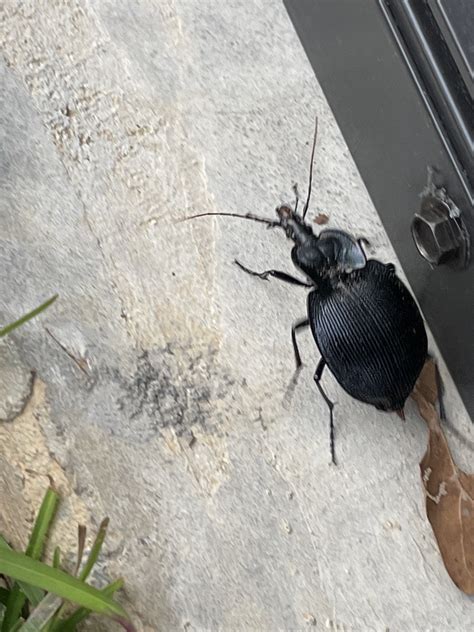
[(282, 276), (299, 324), (317, 378), (297, 196)]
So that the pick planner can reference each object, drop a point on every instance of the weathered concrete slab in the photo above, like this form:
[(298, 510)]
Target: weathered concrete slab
[(117, 119)]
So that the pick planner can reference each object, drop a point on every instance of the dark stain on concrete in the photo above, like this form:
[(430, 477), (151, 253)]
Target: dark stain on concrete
[(169, 387)]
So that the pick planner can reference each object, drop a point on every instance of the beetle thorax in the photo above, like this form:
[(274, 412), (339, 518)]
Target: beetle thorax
[(328, 257)]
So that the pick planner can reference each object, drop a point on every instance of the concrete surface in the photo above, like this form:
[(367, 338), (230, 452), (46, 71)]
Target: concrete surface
[(118, 118)]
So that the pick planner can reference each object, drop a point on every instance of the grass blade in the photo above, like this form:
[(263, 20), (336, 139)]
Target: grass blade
[(91, 560), (81, 545), (42, 614), (24, 319), (16, 599), (33, 594), (42, 523), (21, 567), (57, 557), (4, 595), (95, 550), (69, 625)]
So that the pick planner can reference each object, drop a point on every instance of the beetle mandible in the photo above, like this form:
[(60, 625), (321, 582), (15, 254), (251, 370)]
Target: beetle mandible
[(365, 322)]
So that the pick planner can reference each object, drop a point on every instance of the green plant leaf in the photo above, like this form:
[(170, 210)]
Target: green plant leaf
[(95, 550), (42, 614), (33, 594), (81, 545), (21, 567), (4, 592), (57, 557), (24, 319), (91, 560), (16, 599), (70, 624), (42, 523)]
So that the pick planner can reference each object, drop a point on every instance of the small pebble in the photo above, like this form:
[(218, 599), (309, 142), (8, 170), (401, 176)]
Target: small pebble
[(309, 618)]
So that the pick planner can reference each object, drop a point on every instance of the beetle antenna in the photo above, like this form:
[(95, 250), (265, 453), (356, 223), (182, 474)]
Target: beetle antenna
[(297, 196), (305, 209), (270, 223)]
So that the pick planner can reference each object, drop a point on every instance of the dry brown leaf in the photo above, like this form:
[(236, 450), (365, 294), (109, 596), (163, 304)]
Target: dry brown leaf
[(449, 491), (321, 219)]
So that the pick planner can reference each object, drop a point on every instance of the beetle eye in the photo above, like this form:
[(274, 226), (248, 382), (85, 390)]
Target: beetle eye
[(284, 212)]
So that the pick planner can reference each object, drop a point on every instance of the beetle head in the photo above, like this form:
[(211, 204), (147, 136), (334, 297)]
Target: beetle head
[(294, 225), (324, 255)]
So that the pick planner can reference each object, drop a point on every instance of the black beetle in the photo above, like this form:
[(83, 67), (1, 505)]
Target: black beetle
[(366, 324)]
